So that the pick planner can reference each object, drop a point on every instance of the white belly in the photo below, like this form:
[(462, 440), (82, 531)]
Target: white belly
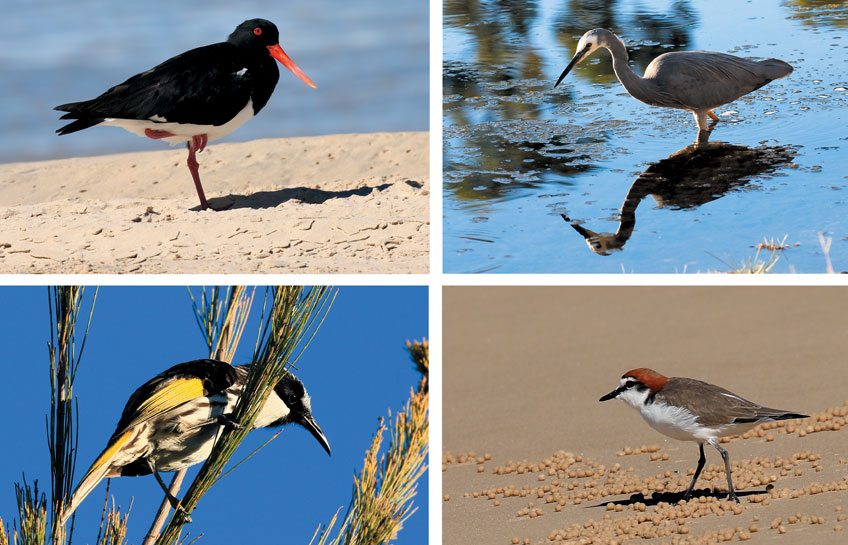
[(675, 422), (182, 131), (180, 446)]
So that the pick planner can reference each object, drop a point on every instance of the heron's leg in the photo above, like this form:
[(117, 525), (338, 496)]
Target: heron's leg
[(701, 462), (175, 503), (713, 116), (701, 120), (726, 458)]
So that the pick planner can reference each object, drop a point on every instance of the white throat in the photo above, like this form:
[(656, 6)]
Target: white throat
[(635, 398)]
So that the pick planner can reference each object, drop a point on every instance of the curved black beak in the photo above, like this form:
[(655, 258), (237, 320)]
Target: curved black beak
[(310, 424), (576, 59), (612, 395)]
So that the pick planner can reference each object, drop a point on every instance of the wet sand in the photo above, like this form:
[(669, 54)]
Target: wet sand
[(354, 203), (524, 369)]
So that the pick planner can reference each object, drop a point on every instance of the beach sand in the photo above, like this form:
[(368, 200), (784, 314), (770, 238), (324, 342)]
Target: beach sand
[(353, 203), (524, 369)]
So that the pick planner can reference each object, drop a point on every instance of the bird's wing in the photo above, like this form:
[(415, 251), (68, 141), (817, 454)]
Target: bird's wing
[(173, 387), (703, 79), (713, 405), (178, 90), (164, 392)]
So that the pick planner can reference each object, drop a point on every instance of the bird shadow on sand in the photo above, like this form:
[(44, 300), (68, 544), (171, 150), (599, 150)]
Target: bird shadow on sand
[(307, 195), (687, 179), (674, 497)]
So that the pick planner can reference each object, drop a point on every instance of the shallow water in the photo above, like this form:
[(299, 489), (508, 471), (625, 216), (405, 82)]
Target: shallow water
[(369, 59), (519, 156)]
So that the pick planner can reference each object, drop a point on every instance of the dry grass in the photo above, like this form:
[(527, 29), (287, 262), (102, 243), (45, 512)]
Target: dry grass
[(384, 490), (113, 527), (772, 245)]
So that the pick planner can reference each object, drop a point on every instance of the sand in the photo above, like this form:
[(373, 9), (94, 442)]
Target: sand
[(356, 203), (524, 369)]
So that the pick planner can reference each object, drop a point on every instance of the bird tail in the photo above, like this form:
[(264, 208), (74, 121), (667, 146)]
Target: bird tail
[(95, 474), (790, 416), (76, 111), (775, 68)]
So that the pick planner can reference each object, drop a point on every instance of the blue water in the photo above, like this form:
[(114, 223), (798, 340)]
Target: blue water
[(369, 59), (518, 155)]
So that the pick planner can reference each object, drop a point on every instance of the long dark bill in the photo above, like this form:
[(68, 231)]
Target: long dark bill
[(310, 424), (577, 58)]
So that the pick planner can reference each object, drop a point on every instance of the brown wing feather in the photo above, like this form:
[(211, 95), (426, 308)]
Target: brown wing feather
[(716, 406)]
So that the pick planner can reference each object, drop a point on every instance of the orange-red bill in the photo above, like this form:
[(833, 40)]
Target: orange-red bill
[(278, 53)]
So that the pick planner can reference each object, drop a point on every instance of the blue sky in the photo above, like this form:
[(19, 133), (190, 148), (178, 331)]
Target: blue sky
[(355, 370)]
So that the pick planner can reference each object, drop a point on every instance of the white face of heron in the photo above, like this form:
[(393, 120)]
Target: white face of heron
[(591, 40), (594, 40)]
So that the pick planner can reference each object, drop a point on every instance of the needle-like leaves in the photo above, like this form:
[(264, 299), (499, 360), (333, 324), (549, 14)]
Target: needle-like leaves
[(296, 313)]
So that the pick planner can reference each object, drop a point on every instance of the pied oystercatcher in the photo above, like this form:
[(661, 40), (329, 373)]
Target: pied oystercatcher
[(195, 97)]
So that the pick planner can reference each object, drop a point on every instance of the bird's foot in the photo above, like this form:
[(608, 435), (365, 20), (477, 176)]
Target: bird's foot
[(703, 137), (732, 496), (713, 116), (227, 420), (156, 135), (204, 205), (199, 141), (179, 510)]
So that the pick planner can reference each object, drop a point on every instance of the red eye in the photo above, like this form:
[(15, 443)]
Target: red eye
[(257, 31)]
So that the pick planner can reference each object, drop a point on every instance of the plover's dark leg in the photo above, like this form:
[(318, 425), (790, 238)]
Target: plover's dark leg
[(701, 462)]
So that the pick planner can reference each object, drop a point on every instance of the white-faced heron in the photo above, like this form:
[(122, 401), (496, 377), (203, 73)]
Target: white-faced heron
[(698, 81)]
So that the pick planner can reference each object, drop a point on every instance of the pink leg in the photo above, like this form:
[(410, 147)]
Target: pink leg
[(197, 141)]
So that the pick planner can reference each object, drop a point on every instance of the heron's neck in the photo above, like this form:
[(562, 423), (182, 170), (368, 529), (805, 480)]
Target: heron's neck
[(635, 85)]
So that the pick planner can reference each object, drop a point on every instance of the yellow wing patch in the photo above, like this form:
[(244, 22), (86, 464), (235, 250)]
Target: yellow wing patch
[(108, 453), (172, 395)]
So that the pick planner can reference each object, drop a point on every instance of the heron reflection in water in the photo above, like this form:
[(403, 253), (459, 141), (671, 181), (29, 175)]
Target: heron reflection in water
[(688, 178), (698, 81)]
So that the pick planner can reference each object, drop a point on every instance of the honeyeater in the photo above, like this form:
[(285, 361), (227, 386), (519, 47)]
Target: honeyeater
[(172, 421)]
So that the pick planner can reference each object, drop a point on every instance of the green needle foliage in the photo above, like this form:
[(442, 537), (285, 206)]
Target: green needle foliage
[(384, 490), (33, 512), (295, 312), (221, 318), (65, 303)]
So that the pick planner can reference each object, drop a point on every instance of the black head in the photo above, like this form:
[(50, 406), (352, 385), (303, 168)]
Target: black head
[(293, 394), (260, 37), (255, 33)]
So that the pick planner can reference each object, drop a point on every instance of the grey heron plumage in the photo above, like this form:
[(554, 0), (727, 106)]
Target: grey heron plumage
[(698, 81)]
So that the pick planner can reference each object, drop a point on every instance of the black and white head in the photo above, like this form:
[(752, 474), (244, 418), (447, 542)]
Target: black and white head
[(636, 386), (289, 403)]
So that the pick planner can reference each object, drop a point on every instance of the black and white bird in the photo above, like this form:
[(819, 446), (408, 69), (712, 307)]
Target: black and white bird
[(692, 410), (196, 97), (173, 420)]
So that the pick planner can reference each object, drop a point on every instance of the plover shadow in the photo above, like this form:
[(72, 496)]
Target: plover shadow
[(674, 497)]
